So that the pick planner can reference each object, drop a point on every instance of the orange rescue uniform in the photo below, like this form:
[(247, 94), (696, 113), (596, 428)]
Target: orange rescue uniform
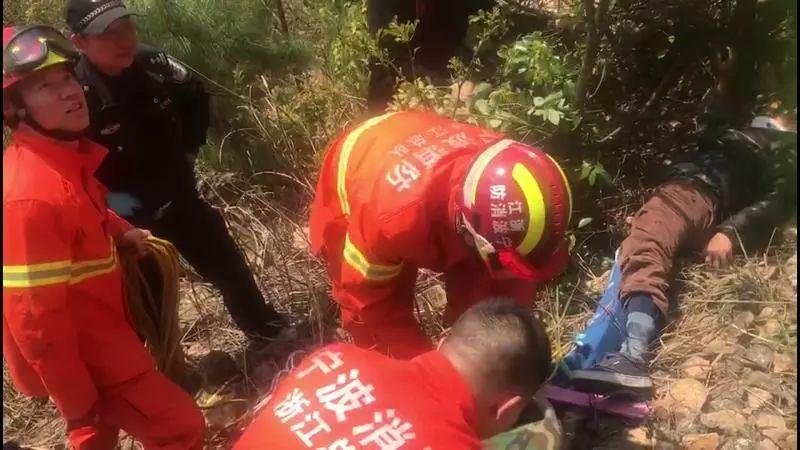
[(384, 208), (344, 397), (66, 333)]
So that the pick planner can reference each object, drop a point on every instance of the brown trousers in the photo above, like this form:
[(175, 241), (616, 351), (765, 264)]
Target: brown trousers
[(680, 215)]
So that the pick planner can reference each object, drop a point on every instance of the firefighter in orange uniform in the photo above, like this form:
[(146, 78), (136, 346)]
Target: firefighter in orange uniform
[(475, 385), (65, 331), (411, 190)]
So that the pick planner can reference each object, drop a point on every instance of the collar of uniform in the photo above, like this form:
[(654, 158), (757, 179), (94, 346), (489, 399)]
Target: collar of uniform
[(445, 379), (103, 85), (65, 159), (91, 78)]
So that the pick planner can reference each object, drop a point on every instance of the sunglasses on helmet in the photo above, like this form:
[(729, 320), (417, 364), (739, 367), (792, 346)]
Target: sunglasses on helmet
[(31, 46)]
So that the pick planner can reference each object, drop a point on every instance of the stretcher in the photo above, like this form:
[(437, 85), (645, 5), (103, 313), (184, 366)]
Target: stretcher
[(604, 334)]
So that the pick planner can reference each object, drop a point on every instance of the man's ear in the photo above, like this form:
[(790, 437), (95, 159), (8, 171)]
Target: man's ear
[(509, 410), (11, 114), (8, 107), (77, 40)]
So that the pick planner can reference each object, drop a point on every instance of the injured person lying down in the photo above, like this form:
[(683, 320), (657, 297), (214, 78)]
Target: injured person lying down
[(727, 197)]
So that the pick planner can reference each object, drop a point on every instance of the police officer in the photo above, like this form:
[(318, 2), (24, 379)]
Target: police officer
[(152, 115)]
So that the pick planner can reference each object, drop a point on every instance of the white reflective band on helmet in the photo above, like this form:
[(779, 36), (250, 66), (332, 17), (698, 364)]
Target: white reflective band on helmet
[(475, 172)]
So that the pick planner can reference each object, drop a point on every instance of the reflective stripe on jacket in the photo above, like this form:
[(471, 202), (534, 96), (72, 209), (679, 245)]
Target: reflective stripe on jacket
[(65, 329), (386, 195)]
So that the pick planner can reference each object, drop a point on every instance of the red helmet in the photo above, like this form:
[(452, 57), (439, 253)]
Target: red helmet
[(516, 203), (31, 48)]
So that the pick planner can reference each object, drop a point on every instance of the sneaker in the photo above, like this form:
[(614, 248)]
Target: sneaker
[(614, 373)]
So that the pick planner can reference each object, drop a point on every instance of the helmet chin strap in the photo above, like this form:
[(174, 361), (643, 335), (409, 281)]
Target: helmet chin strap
[(494, 259), (484, 247), (61, 135)]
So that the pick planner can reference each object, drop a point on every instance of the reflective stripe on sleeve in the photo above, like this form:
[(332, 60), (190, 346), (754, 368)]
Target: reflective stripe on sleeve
[(35, 275), (358, 261)]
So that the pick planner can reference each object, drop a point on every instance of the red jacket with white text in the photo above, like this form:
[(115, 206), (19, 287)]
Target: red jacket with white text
[(344, 397)]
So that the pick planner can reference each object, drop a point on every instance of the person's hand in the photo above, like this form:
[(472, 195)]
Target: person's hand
[(719, 250), (135, 238), (122, 203)]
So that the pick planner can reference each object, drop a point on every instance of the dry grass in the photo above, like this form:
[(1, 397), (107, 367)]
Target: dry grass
[(33, 422)]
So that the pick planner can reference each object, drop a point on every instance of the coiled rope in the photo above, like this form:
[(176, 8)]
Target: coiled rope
[(151, 285)]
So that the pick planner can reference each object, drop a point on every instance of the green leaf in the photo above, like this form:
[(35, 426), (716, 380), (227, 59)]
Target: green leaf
[(481, 88), (553, 116), (553, 97), (586, 169), (482, 106), (601, 172), (584, 221)]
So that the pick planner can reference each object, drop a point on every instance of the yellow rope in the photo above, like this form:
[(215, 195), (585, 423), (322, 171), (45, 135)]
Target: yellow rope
[(155, 314)]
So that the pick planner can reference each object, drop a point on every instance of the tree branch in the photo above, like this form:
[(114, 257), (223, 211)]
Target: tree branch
[(282, 17), (592, 47)]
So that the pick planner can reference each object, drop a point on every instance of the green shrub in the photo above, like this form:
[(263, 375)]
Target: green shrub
[(524, 93), (24, 12)]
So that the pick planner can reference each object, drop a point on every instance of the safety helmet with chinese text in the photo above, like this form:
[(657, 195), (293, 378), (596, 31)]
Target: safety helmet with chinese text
[(516, 204)]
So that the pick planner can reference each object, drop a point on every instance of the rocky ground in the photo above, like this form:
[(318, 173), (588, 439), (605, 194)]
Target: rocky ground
[(725, 371)]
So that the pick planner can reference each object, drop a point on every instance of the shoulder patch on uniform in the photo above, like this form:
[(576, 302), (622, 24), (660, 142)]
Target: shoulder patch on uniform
[(162, 64), (158, 59), (179, 71)]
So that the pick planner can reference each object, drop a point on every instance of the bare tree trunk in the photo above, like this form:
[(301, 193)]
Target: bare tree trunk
[(282, 17), (734, 94), (745, 42), (592, 48)]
